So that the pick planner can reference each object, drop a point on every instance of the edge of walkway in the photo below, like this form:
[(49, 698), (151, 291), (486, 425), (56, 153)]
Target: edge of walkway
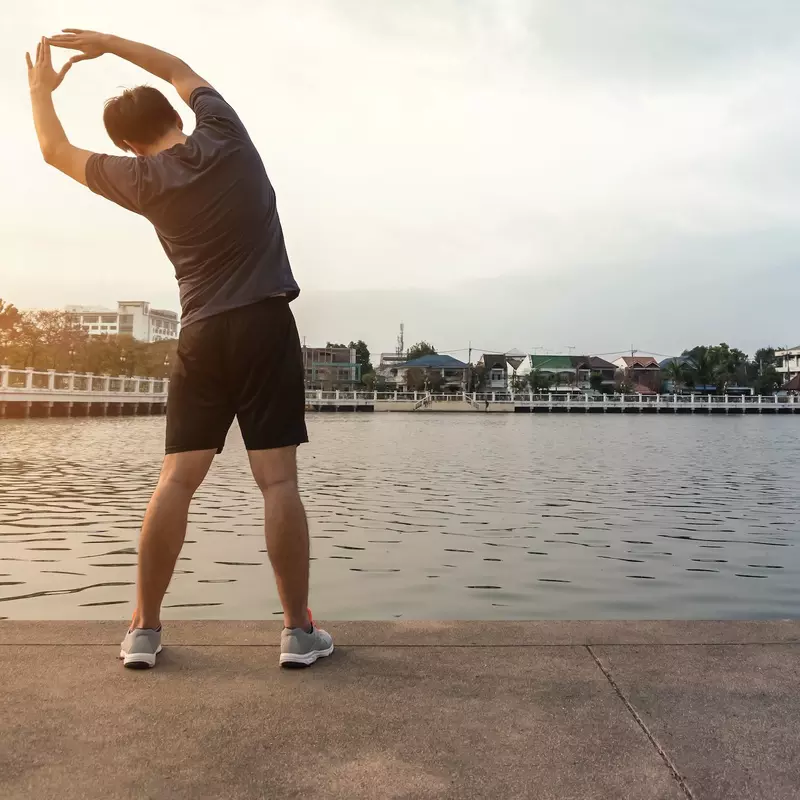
[(238, 633)]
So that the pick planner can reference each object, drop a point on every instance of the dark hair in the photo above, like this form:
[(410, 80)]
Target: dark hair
[(141, 115)]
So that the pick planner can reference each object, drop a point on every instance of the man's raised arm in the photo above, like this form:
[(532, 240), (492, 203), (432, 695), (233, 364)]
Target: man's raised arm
[(43, 80), (156, 62)]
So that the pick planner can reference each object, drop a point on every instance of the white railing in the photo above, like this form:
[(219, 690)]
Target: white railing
[(30, 384), (564, 400)]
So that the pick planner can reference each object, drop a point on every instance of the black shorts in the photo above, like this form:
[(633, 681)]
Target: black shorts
[(245, 363)]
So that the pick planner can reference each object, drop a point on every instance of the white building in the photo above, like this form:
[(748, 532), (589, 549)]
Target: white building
[(132, 318), (787, 363)]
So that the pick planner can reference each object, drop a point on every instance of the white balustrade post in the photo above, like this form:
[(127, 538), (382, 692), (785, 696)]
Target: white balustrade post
[(4, 376), (71, 382), (137, 382), (415, 395), (51, 380), (166, 386), (375, 396), (337, 394), (122, 380), (106, 383), (494, 397), (151, 386), (29, 377)]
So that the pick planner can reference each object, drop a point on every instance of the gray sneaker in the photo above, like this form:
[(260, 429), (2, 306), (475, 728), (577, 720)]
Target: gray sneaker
[(302, 649), (140, 647)]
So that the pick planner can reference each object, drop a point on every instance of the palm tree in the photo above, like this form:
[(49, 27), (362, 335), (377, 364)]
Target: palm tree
[(677, 373), (704, 366)]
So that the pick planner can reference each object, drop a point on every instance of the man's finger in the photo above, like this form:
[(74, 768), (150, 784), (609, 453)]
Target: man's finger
[(73, 30), (64, 70), (28, 61), (39, 53), (84, 57), (46, 53)]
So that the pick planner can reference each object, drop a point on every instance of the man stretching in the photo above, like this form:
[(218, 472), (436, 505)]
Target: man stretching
[(213, 208)]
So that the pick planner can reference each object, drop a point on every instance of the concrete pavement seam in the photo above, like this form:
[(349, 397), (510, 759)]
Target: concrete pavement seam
[(641, 723)]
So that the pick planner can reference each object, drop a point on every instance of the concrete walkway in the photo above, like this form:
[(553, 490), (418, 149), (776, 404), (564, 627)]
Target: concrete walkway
[(617, 710)]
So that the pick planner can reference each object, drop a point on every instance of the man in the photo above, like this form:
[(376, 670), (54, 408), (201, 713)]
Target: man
[(213, 208)]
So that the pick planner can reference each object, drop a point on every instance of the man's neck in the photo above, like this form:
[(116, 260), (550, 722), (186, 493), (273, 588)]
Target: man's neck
[(165, 142)]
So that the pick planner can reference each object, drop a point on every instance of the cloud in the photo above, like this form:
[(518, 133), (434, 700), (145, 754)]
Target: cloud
[(571, 158)]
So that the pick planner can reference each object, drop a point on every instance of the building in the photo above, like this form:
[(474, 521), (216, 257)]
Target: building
[(641, 372), (587, 366), (495, 372), (558, 373), (434, 372), (787, 363), (132, 318), (388, 368), (331, 368), (561, 373)]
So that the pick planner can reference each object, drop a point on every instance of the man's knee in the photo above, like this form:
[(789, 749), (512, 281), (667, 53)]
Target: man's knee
[(274, 469), (186, 471)]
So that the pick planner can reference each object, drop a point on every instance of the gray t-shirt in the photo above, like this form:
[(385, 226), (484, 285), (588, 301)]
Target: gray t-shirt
[(213, 209)]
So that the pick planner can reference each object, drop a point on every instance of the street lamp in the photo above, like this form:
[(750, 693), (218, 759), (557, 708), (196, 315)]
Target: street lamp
[(71, 354)]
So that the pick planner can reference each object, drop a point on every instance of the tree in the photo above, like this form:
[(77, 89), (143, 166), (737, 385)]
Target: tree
[(596, 382), (718, 365), (335, 344), (420, 349), (415, 379), (539, 381), (762, 374), (362, 357), (677, 372), (10, 320), (477, 378), (519, 383)]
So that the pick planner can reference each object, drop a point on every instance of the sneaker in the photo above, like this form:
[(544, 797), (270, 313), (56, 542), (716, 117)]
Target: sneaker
[(301, 648), (140, 647)]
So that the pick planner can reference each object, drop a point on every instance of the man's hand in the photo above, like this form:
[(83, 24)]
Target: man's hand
[(90, 43), (41, 75)]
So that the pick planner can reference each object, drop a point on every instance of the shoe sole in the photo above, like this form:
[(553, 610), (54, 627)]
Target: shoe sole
[(304, 660), (139, 660)]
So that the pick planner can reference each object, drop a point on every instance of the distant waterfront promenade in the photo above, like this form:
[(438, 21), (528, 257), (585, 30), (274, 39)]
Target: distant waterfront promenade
[(30, 393)]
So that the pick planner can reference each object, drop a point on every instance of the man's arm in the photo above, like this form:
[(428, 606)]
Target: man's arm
[(56, 148), (163, 65)]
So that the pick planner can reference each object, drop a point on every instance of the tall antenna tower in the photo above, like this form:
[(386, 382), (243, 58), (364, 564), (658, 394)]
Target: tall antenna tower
[(401, 345)]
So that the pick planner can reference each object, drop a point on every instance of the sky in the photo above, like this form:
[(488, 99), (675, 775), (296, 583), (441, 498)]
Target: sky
[(599, 174)]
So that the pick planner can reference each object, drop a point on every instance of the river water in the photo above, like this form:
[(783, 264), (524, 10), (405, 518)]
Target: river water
[(425, 516)]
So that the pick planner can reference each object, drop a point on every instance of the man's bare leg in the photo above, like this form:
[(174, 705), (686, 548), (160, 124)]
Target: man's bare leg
[(164, 530), (286, 529)]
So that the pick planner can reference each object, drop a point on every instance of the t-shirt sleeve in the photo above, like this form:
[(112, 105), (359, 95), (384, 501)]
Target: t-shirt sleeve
[(117, 178), (211, 111)]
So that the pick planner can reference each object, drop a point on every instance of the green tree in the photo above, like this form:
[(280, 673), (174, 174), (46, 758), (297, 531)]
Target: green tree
[(362, 357), (10, 320), (539, 381), (476, 378), (677, 371), (420, 349), (415, 379), (762, 373), (596, 382)]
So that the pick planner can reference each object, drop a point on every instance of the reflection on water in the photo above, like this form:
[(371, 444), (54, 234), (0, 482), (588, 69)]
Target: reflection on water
[(425, 516)]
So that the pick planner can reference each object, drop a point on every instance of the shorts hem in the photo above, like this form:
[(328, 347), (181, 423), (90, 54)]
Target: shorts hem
[(171, 450)]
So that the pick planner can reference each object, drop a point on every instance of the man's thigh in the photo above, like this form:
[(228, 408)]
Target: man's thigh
[(199, 407)]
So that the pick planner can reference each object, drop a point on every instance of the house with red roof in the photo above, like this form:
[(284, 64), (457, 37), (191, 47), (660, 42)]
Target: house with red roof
[(642, 372)]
